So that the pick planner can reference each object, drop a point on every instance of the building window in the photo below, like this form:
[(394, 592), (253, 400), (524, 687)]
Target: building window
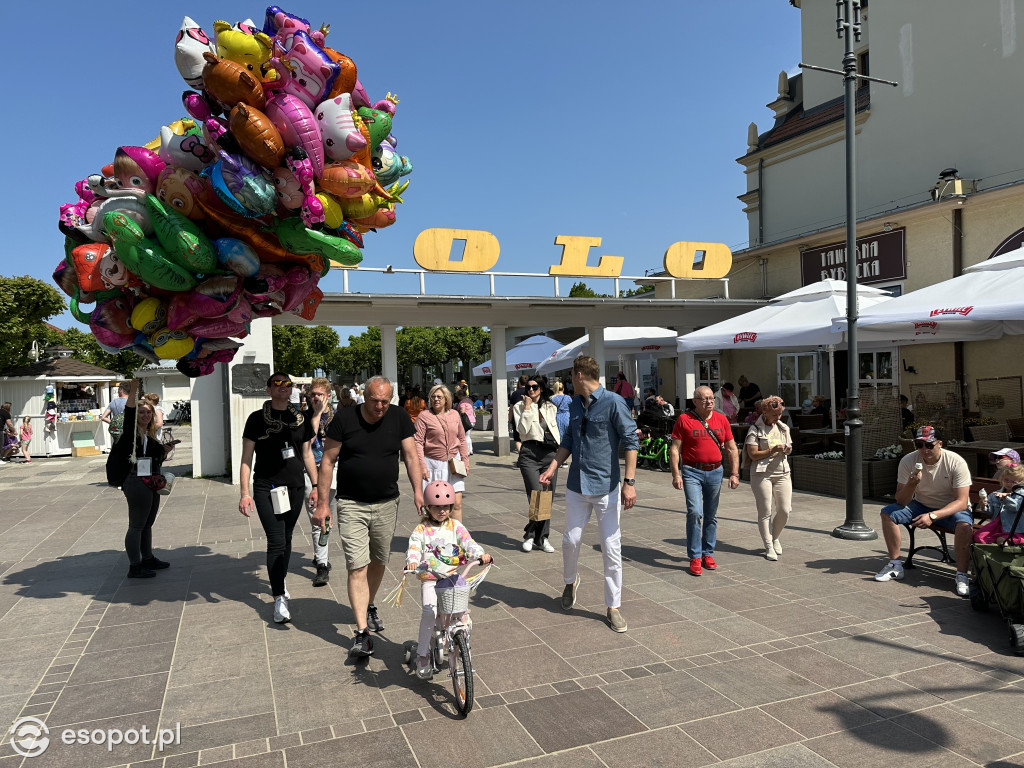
[(708, 373), (797, 375), (863, 63), (876, 369)]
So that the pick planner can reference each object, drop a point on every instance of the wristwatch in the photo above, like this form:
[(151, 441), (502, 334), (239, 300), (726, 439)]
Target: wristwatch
[(933, 516), (630, 481)]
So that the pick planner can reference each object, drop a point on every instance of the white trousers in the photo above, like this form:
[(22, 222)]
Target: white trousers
[(606, 508)]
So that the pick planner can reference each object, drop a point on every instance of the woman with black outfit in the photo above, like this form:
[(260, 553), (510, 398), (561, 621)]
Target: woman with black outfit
[(279, 436), (536, 420), (134, 471)]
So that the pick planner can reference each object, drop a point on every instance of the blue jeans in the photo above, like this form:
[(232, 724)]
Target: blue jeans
[(702, 490)]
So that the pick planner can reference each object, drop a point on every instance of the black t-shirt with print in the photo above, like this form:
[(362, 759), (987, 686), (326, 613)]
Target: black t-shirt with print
[(368, 459), (270, 464)]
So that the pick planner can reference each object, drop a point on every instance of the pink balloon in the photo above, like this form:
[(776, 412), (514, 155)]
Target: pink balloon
[(298, 127)]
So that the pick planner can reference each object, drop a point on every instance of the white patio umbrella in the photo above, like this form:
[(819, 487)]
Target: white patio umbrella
[(657, 342), (525, 355), (801, 318), (985, 302)]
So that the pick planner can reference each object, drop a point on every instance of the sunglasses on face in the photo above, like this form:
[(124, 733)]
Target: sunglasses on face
[(281, 383), (929, 444), (533, 386)]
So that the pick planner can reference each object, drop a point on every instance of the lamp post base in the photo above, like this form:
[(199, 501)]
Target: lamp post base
[(855, 531)]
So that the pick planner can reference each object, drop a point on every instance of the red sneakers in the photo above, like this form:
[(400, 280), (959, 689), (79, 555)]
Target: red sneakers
[(709, 563), (695, 566)]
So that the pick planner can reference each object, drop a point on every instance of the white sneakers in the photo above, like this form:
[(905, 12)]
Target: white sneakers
[(769, 553), (546, 546), (777, 546), (893, 570), (281, 613), (424, 669), (528, 545), (963, 585)]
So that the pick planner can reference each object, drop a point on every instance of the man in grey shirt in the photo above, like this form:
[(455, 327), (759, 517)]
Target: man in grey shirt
[(599, 422)]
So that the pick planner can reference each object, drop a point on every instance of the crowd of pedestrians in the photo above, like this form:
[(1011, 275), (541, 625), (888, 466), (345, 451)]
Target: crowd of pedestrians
[(335, 461)]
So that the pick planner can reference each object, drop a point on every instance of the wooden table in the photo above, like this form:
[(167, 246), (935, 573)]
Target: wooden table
[(976, 453)]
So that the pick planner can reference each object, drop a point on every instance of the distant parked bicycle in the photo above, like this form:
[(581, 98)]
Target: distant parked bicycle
[(182, 412)]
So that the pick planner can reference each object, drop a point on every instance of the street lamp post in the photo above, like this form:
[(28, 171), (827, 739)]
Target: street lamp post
[(848, 27)]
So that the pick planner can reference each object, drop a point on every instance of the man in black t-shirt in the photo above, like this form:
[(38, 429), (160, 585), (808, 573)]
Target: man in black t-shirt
[(365, 442), (749, 392)]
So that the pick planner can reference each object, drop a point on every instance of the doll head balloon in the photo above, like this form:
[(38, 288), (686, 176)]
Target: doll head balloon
[(137, 168)]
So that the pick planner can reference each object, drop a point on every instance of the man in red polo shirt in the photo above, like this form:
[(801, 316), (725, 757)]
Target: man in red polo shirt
[(700, 438)]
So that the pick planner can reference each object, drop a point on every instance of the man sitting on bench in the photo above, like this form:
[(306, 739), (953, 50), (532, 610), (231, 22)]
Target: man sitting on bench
[(934, 496)]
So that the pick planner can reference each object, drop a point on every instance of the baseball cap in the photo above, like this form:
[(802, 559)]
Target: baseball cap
[(927, 432), (1009, 453)]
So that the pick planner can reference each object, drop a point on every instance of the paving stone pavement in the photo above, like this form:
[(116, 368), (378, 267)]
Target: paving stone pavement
[(801, 662)]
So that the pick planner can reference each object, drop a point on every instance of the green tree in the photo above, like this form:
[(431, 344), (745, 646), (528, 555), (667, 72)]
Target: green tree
[(302, 349), (420, 346), (464, 344), (361, 354), (87, 349), (581, 290), (25, 303)]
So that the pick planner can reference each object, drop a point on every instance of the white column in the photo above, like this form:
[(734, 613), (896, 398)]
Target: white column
[(596, 334), (389, 353), (499, 390), (686, 378)]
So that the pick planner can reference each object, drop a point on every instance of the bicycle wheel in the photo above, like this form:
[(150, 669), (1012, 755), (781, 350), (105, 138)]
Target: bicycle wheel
[(461, 668), (663, 461)]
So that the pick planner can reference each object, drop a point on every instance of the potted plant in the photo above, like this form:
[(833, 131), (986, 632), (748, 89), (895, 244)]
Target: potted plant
[(483, 419), (826, 472)]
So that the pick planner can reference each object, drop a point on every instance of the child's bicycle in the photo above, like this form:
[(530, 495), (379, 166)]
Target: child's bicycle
[(450, 637)]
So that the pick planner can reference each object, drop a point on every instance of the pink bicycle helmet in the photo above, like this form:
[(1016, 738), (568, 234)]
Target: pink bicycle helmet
[(439, 494)]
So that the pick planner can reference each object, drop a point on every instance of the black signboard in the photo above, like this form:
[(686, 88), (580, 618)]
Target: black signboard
[(250, 379), (881, 258)]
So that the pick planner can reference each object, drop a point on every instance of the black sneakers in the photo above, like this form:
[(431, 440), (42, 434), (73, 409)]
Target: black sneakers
[(323, 574), (154, 564), (140, 572), (372, 619), (362, 646)]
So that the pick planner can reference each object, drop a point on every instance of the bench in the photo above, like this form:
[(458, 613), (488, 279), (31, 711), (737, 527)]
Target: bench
[(989, 484)]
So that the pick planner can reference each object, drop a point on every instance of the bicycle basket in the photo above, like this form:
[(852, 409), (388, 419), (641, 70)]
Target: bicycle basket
[(452, 595)]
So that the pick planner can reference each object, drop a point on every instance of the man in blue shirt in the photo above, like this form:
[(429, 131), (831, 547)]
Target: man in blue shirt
[(599, 422)]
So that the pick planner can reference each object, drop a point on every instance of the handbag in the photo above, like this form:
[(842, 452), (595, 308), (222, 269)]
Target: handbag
[(455, 466), (540, 505), (466, 424)]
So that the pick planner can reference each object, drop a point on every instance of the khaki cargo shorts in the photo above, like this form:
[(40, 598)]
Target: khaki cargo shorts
[(366, 531)]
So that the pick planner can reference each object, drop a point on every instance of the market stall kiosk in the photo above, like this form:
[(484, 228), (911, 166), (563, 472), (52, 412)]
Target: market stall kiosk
[(73, 392)]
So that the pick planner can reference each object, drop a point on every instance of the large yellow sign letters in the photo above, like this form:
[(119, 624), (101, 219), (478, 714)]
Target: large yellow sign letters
[(683, 260), (709, 260), (574, 259), (433, 248)]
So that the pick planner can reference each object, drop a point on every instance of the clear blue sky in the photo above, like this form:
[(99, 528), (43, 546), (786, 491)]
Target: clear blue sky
[(528, 120)]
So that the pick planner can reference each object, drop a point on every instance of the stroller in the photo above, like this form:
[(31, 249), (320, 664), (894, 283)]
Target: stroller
[(999, 579)]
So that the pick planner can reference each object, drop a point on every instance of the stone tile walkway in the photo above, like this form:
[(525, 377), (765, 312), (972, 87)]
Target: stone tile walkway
[(801, 662)]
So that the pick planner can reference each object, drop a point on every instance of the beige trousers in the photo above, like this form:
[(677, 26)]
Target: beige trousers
[(769, 491)]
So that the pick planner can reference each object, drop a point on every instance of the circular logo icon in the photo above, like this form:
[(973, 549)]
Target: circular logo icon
[(29, 736)]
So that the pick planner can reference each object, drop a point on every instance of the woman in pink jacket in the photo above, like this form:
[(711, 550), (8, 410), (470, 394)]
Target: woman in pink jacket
[(441, 444)]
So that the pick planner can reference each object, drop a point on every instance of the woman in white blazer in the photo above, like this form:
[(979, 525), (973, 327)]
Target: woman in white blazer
[(536, 420)]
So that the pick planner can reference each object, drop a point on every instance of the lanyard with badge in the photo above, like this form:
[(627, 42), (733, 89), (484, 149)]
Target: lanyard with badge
[(144, 464)]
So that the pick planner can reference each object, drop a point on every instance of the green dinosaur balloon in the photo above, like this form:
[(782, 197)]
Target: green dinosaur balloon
[(298, 239), (143, 257), (184, 242), (379, 124)]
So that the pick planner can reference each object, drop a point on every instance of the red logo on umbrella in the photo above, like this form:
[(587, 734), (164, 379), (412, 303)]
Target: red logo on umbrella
[(965, 311), (930, 327), (745, 336), (650, 346)]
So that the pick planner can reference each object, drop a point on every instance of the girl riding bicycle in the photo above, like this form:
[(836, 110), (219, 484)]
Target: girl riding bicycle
[(437, 547)]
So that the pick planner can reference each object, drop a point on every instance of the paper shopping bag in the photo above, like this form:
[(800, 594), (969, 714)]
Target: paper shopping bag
[(540, 505)]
